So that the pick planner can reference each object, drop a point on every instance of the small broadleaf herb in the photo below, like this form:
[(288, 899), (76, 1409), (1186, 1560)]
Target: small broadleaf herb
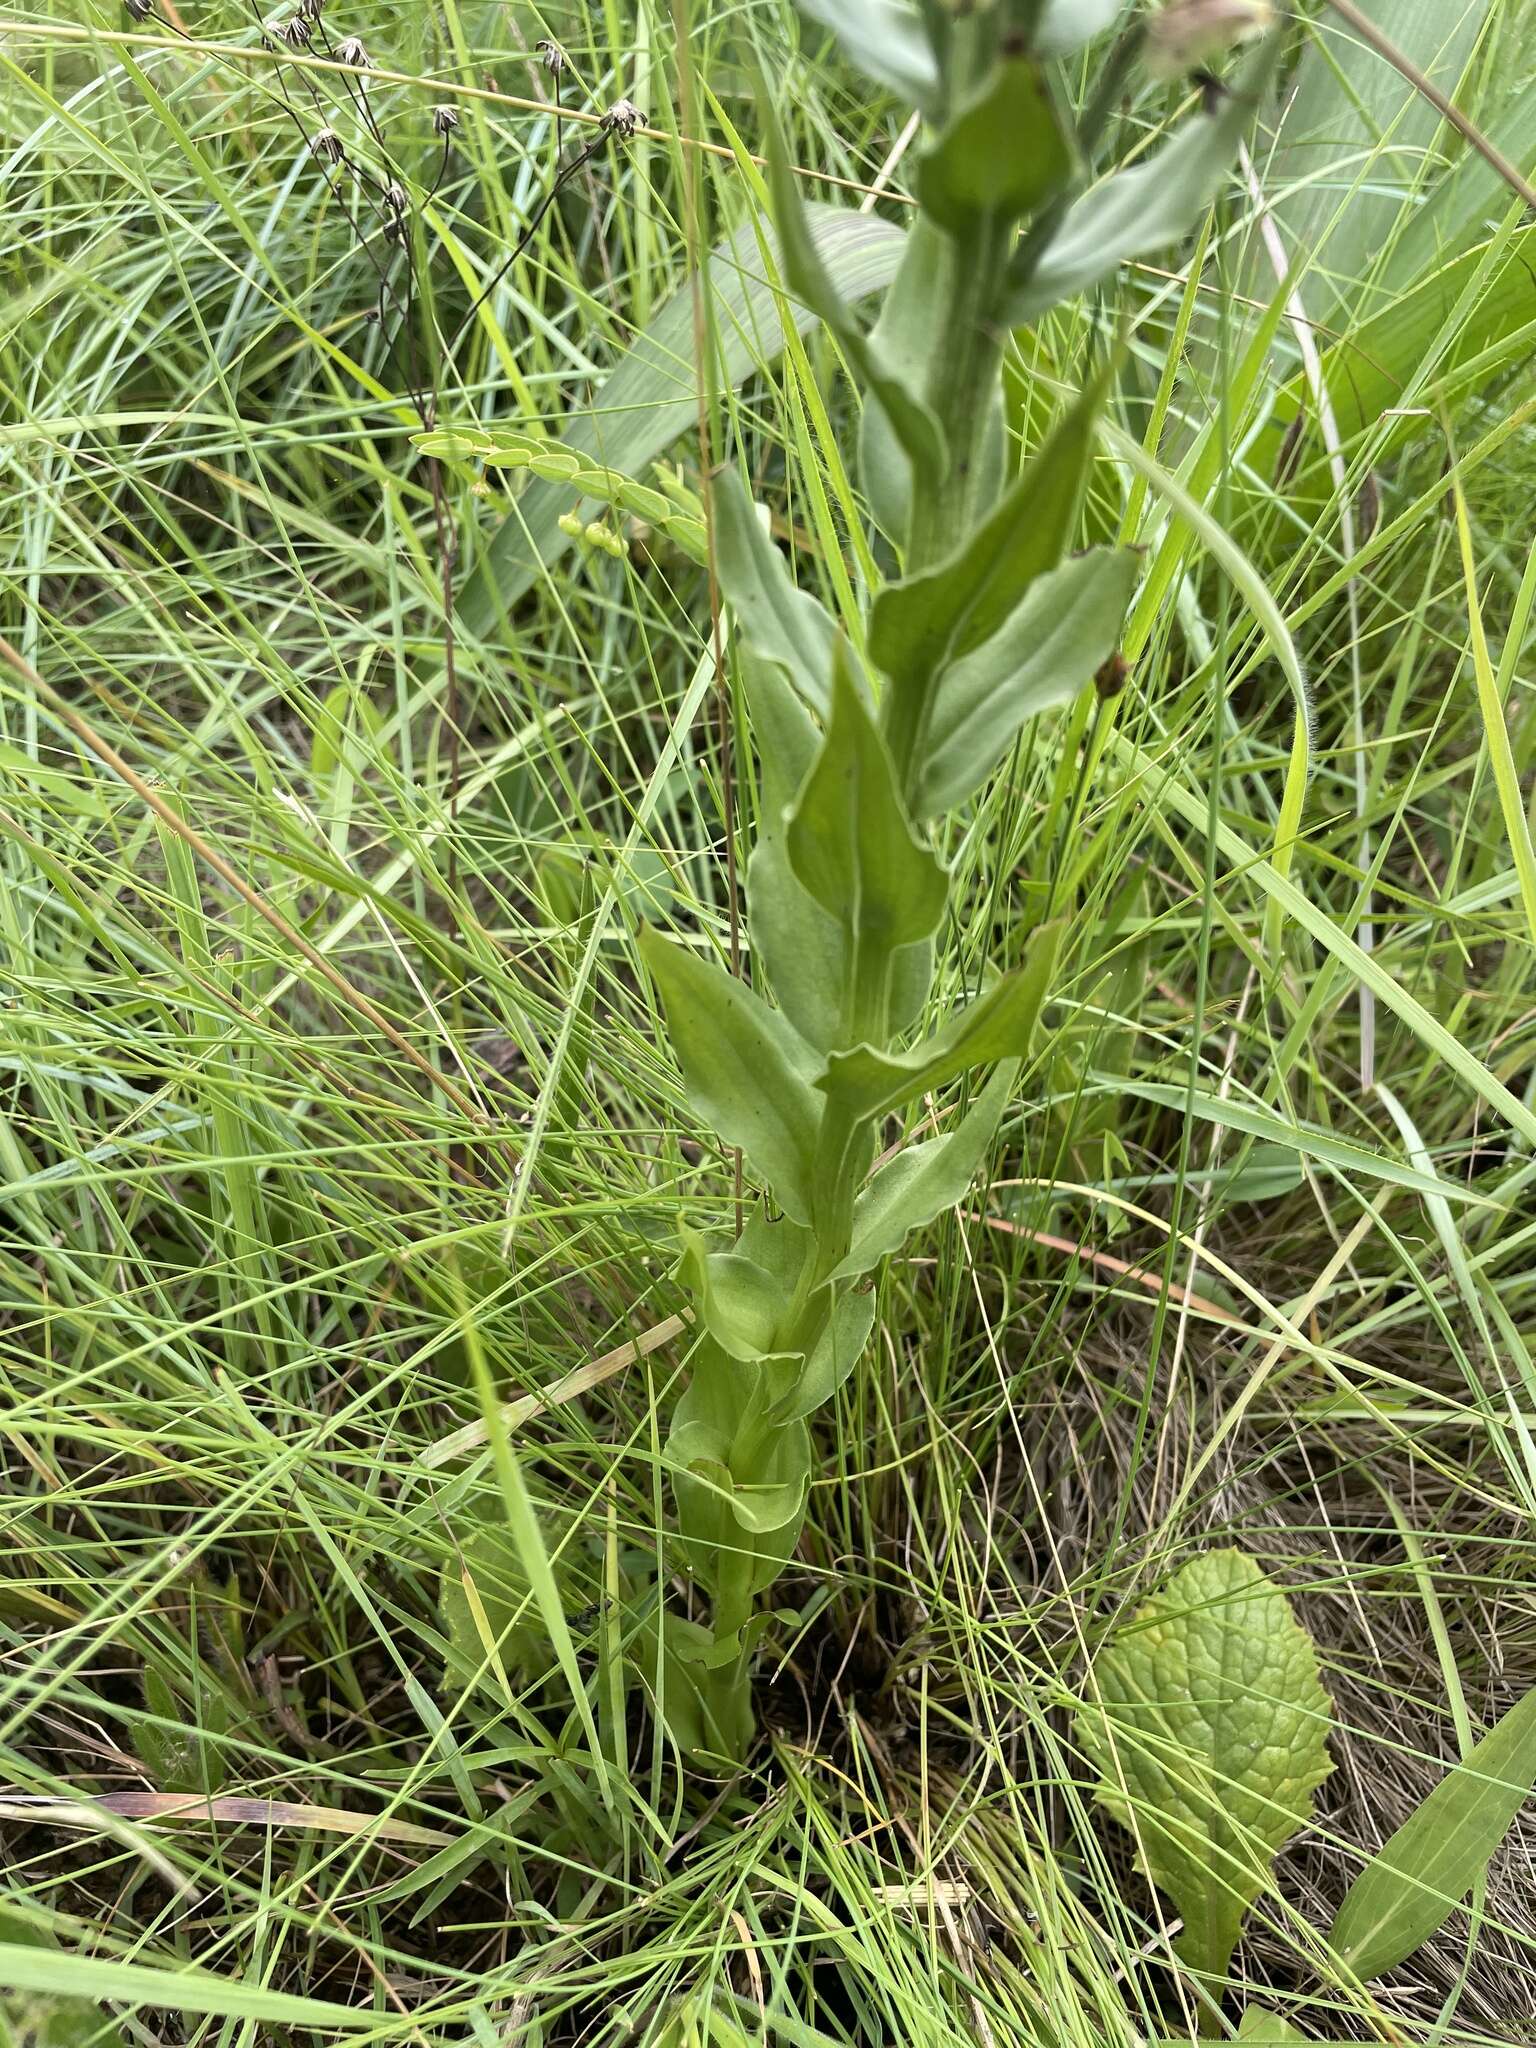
[(1207, 1724)]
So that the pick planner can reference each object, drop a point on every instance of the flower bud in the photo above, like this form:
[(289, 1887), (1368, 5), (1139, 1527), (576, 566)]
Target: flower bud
[(1186, 35)]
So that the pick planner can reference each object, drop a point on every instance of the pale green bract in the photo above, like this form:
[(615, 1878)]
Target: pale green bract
[(1207, 1722)]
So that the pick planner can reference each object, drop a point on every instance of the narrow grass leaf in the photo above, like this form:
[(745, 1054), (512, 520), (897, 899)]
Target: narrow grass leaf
[(60, 1974), (532, 1559), (1506, 776), (1414, 1883), (1306, 1140)]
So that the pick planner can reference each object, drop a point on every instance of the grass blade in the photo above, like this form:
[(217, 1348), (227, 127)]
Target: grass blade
[(1411, 1887)]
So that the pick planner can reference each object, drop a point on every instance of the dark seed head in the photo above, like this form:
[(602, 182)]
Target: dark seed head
[(1112, 676), (553, 56), (351, 51), (139, 10), (1290, 449), (1367, 509), (623, 118), (444, 120), (296, 31), (395, 199), (328, 146)]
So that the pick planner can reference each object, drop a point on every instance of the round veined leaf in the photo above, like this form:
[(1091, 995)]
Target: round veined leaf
[(1207, 1722)]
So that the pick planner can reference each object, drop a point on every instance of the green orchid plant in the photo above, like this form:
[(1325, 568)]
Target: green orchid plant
[(865, 741)]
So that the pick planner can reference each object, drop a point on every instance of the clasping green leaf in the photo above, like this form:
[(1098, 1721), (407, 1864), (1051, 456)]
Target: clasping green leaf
[(928, 620), (997, 1026), (1137, 211), (1000, 156), (885, 38), (912, 422), (853, 848), (1065, 627), (778, 622), (924, 1180)]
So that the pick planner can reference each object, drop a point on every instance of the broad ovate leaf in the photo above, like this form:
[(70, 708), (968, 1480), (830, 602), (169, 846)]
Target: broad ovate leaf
[(1259, 2029), (833, 1357), (1064, 628), (739, 1521), (1415, 1881), (779, 623), (800, 946), (886, 40), (1207, 1723), (852, 845), (1065, 25), (927, 620), (739, 1300), (671, 1655), (1266, 2030), (747, 1071)]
